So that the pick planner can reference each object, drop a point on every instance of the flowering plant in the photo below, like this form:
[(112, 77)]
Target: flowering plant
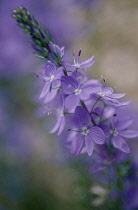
[(86, 110), (89, 115)]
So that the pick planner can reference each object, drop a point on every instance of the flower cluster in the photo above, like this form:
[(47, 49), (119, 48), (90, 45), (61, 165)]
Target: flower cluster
[(85, 109)]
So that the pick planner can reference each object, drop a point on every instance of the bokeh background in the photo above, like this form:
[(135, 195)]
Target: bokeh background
[(36, 171)]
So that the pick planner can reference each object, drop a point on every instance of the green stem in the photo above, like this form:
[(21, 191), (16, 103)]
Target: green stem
[(94, 104)]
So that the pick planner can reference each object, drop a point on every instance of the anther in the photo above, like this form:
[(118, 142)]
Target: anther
[(79, 53)]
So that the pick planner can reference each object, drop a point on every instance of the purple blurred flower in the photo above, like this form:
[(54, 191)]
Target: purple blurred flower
[(106, 158), (119, 132)]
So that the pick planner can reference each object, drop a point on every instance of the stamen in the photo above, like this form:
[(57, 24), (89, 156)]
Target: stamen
[(101, 94), (58, 86), (85, 131), (52, 78), (77, 91), (74, 130), (62, 113), (104, 79), (74, 57), (79, 53), (114, 132)]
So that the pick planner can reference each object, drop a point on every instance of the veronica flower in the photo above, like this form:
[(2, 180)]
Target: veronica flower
[(85, 134), (120, 132), (51, 76), (77, 64), (91, 121), (75, 90), (106, 93)]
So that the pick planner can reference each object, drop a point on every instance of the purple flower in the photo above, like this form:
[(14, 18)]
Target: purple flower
[(77, 64), (51, 76), (120, 132), (76, 91), (106, 94), (84, 133)]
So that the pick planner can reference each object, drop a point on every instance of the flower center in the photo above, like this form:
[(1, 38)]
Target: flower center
[(85, 131), (114, 132), (58, 86), (101, 94), (62, 113), (52, 78), (77, 91), (77, 65)]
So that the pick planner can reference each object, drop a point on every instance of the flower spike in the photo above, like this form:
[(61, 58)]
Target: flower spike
[(85, 110), (42, 42)]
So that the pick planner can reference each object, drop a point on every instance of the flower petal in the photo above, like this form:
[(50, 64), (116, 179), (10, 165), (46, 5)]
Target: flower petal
[(49, 69), (124, 124), (62, 125), (95, 89), (91, 83), (82, 115), (87, 63), (85, 93), (69, 84), (106, 129), (45, 90), (125, 103), (69, 66), (129, 133), (79, 76), (107, 90), (56, 83), (117, 95), (50, 96), (108, 112), (58, 73), (77, 144), (89, 145), (97, 135), (71, 101), (56, 126), (120, 143)]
